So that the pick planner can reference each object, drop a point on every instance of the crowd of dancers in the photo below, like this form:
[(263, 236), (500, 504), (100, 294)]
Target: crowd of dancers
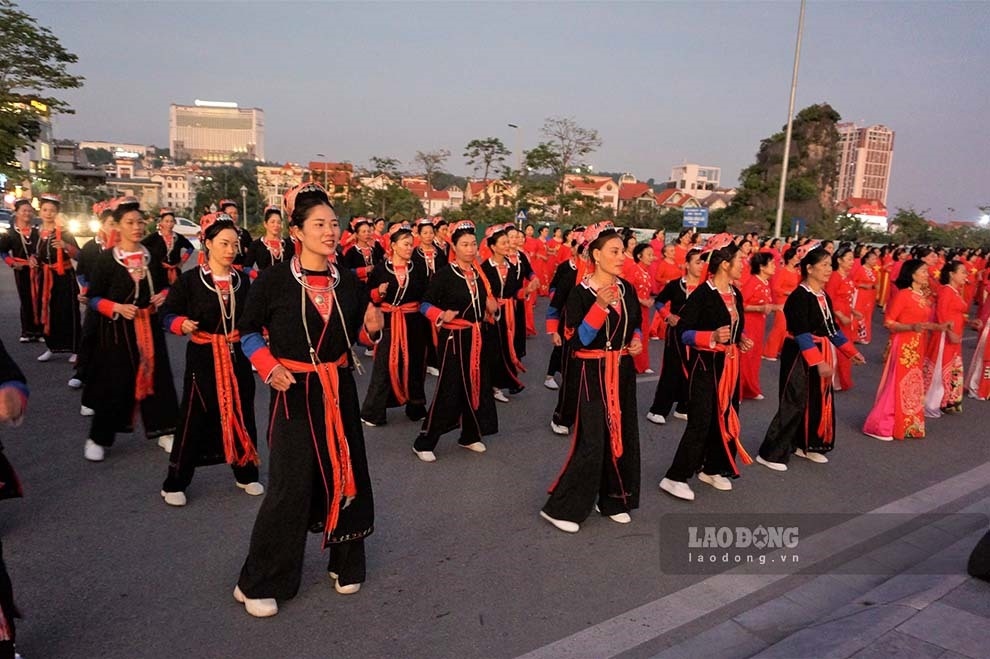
[(452, 301)]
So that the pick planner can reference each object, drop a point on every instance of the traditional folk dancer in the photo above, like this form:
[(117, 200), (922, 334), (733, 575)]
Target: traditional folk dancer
[(785, 279), (805, 421), (132, 369), (665, 270), (944, 357), (602, 471), (397, 287), (13, 404), (567, 275), (366, 252), (230, 208), (499, 337), (636, 271), (757, 303), (167, 247), (271, 248), (898, 410), (530, 284), (318, 475), (672, 386), (89, 255), (457, 301), (841, 290), (865, 278), (60, 318), (712, 327), (19, 250), (431, 258), (216, 420)]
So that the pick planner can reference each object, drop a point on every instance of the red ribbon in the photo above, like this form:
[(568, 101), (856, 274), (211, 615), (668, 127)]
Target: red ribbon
[(613, 409), (399, 347), (144, 383), (460, 324)]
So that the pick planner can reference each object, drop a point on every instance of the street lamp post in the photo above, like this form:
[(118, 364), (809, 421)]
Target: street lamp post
[(518, 148), (244, 206), (790, 125)]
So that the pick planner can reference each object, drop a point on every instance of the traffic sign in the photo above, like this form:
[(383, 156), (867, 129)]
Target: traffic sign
[(696, 218), (521, 215), (797, 226)]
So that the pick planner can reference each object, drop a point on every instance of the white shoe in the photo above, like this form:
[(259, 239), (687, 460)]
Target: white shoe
[(677, 489), (349, 589), (368, 423), (433, 370), (759, 397), (94, 452), (259, 608), (45, 356), (174, 498), (426, 456), (718, 481), (776, 466), (86, 411), (25, 339), (477, 447), (73, 358), (562, 524), (681, 416), (255, 489), (368, 352), (75, 383), (770, 359), (559, 430), (811, 455), (618, 518), (882, 438), (500, 396), (550, 383), (649, 371), (165, 442), (656, 418)]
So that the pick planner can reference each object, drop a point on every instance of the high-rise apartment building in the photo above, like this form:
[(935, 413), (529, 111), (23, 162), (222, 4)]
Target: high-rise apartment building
[(216, 132), (865, 157), (696, 180)]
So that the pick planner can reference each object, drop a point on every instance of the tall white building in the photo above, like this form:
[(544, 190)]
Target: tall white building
[(696, 180), (864, 162), (211, 131)]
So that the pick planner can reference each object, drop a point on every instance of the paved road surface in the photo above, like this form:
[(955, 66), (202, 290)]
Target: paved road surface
[(459, 565)]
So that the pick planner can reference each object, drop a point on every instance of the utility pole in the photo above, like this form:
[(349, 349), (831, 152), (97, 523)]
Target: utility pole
[(790, 125)]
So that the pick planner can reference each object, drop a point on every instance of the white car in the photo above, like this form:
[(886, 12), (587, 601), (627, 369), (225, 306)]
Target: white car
[(186, 227)]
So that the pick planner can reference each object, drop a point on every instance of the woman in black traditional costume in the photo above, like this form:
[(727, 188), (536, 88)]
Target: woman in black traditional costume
[(271, 248), (528, 284), (500, 337), (457, 301), (318, 474), (805, 420), (131, 368), (603, 329), (216, 420), (428, 255), (711, 326), (366, 252), (397, 287), (672, 387), (19, 250), (13, 403), (59, 304), (89, 255), (566, 276), (167, 247)]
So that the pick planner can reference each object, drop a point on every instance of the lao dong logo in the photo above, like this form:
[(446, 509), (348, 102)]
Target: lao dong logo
[(742, 537)]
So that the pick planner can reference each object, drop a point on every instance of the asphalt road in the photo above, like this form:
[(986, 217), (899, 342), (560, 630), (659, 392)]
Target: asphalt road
[(460, 565)]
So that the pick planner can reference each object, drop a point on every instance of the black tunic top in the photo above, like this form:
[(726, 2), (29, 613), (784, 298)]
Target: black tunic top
[(449, 290), (261, 258), (161, 252), (439, 261), (416, 282)]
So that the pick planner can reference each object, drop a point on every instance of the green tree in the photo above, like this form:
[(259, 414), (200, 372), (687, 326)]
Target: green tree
[(485, 154), (565, 144), (32, 62), (393, 202), (432, 163), (98, 157), (224, 182), (384, 165), (911, 226)]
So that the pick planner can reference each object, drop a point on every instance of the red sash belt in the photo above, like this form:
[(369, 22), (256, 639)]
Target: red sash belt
[(59, 259), (613, 409), (399, 347), (47, 282), (825, 427), (460, 324), (172, 271), (144, 382), (337, 447), (228, 398), (728, 421), (509, 309)]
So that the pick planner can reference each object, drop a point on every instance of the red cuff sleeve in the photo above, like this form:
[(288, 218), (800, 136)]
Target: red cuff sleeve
[(521, 294), (175, 327), (238, 267), (185, 257), (433, 313), (813, 356), (253, 274), (664, 312), (552, 325), (376, 296), (105, 307), (703, 340), (596, 316), (848, 350), (265, 362), (9, 261), (362, 273)]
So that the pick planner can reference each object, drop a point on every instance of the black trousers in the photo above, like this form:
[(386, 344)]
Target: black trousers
[(554, 366), (7, 609), (701, 447), (380, 395), (29, 328), (182, 468), (274, 564), (672, 384)]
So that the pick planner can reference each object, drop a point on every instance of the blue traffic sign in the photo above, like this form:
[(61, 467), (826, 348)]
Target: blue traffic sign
[(696, 218)]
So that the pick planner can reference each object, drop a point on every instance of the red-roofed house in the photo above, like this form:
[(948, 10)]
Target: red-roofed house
[(635, 194), (434, 201), (674, 198), (872, 212), (499, 192), (336, 177), (602, 188)]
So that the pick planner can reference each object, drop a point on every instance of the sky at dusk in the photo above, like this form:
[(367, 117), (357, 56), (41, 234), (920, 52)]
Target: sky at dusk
[(662, 82)]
